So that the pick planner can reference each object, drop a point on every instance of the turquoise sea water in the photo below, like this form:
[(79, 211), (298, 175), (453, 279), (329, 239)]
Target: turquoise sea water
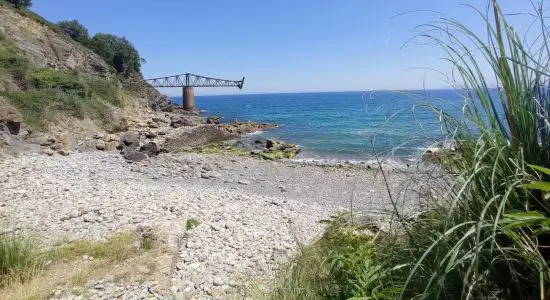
[(343, 125)]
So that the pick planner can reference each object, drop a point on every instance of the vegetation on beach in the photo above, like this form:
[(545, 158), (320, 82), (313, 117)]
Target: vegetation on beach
[(489, 236), (26, 270)]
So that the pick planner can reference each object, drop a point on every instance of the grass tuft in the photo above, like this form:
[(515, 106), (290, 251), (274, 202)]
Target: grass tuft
[(116, 249), (192, 223), (19, 259)]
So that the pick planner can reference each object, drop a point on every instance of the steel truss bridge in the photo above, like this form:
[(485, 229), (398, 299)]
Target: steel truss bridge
[(189, 81)]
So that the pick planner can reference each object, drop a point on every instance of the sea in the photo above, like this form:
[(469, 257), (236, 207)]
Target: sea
[(345, 126)]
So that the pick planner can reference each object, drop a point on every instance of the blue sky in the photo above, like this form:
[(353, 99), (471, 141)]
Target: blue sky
[(280, 46)]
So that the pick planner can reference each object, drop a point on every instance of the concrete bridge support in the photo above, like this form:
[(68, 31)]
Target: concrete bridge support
[(188, 99)]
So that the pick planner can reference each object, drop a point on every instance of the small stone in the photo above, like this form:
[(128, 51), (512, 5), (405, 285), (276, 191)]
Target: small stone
[(215, 227), (100, 145), (85, 257), (99, 287), (243, 182), (180, 265), (174, 289), (48, 151), (218, 281), (210, 174), (230, 225)]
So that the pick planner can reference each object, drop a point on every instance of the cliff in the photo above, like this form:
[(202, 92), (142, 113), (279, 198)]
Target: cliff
[(51, 84)]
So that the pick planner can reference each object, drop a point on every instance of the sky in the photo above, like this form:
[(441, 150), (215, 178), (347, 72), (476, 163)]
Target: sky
[(283, 45)]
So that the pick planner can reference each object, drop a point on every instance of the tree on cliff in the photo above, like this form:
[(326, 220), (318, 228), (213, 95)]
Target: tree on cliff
[(117, 52), (75, 30), (21, 3)]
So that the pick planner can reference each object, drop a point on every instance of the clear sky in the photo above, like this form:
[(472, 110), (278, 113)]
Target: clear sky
[(282, 45)]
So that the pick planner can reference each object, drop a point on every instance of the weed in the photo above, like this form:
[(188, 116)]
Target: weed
[(146, 243), (192, 223)]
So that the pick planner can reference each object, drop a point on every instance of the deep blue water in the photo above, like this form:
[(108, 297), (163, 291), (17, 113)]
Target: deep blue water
[(344, 125)]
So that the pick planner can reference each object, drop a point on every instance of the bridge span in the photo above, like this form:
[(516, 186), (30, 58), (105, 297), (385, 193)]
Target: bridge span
[(189, 81)]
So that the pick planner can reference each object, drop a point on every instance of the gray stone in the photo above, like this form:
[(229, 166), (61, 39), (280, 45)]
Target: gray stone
[(129, 140), (135, 156), (151, 149), (210, 174), (100, 145)]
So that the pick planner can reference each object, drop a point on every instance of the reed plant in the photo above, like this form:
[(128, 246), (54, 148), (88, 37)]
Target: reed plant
[(489, 236)]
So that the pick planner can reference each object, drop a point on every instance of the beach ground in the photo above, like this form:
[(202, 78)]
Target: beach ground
[(253, 214)]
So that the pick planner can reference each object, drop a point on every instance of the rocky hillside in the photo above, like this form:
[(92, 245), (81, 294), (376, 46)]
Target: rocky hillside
[(52, 84), (46, 48)]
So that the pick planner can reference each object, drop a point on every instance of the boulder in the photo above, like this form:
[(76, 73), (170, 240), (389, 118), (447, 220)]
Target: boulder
[(149, 134), (10, 117), (68, 143), (100, 145), (151, 149), (213, 120), (133, 155), (274, 144), (129, 140)]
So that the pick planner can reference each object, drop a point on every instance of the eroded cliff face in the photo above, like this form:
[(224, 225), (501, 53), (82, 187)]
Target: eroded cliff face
[(48, 49)]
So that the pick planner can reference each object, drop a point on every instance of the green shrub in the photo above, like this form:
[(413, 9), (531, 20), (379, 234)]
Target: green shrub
[(344, 264), (11, 61), (54, 79)]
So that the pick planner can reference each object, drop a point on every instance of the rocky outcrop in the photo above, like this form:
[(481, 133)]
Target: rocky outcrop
[(275, 149), (213, 120), (185, 139), (238, 128), (46, 48), (179, 121), (163, 103)]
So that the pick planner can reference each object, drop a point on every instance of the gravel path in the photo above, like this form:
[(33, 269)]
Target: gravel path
[(254, 214)]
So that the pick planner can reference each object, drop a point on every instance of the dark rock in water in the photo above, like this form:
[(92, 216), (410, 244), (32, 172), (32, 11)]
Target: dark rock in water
[(213, 120), (245, 127), (129, 140), (178, 121), (133, 155), (151, 149), (163, 103)]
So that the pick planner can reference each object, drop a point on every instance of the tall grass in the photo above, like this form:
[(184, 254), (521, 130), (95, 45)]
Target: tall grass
[(19, 259), (489, 237), (465, 251)]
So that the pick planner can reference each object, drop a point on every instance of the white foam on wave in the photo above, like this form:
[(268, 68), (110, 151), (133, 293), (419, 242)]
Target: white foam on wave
[(255, 132)]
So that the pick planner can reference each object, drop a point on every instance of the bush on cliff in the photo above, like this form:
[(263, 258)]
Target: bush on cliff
[(118, 52), (21, 3), (75, 30)]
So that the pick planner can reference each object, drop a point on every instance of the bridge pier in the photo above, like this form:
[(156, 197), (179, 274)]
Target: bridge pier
[(188, 98)]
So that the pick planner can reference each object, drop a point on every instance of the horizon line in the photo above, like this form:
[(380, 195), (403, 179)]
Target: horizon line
[(314, 92)]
